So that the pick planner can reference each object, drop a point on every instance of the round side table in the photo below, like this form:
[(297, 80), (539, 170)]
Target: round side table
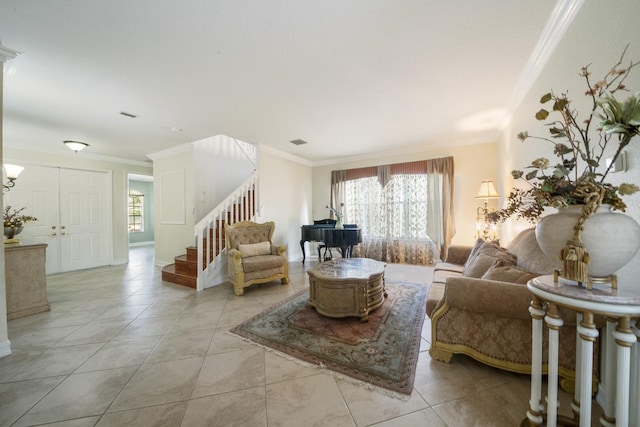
[(621, 307)]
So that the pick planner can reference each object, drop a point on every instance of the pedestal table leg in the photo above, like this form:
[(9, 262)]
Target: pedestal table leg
[(625, 339), (634, 403), (588, 334), (609, 375), (534, 414), (554, 322)]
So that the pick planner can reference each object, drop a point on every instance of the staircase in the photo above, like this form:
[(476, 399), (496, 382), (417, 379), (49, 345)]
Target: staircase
[(201, 264)]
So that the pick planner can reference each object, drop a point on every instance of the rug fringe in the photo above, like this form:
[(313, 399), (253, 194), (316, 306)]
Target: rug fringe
[(322, 368)]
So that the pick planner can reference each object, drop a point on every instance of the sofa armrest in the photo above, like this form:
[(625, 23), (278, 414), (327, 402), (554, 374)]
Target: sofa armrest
[(278, 249), (488, 296), (458, 254), (234, 253)]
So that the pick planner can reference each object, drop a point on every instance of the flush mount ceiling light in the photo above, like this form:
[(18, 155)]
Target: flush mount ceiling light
[(298, 142), (76, 146)]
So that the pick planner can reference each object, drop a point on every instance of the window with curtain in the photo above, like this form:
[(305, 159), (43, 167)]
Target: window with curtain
[(396, 211), (405, 210), (136, 212)]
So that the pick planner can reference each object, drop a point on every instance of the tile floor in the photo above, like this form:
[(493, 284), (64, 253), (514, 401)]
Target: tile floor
[(122, 348)]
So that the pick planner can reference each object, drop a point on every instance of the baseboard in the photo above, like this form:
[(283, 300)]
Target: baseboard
[(5, 348), (150, 243)]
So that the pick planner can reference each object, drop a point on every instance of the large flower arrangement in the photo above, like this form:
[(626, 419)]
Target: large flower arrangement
[(15, 217), (579, 142)]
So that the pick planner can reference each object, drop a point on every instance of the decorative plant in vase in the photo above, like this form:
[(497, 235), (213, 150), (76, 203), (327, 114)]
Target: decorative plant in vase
[(579, 176), (14, 220), (338, 215)]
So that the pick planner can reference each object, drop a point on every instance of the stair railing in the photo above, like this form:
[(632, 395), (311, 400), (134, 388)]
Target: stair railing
[(241, 205), (249, 151)]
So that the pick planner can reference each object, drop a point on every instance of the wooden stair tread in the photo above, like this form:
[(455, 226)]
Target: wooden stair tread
[(169, 275)]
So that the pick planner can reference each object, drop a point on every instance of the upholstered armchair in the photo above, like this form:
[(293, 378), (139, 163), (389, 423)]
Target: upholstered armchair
[(252, 257)]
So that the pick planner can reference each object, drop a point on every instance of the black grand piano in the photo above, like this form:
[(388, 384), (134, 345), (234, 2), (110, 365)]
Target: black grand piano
[(324, 231)]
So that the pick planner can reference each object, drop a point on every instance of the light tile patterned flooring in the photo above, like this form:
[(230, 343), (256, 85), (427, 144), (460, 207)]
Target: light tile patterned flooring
[(121, 348)]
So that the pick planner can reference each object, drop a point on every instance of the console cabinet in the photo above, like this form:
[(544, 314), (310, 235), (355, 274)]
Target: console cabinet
[(26, 282)]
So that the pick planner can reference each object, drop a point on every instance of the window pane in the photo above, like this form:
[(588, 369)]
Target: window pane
[(136, 212), (399, 211)]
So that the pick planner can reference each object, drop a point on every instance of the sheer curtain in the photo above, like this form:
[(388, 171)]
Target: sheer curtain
[(404, 210)]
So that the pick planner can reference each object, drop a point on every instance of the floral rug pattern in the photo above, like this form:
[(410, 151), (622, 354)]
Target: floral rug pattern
[(382, 352)]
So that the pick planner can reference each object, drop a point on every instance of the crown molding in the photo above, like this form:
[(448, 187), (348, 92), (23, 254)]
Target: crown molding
[(6, 53), (285, 155), (560, 20), (171, 151)]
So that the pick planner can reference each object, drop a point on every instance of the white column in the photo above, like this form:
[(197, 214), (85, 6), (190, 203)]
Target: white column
[(554, 322), (588, 334), (5, 344), (608, 380), (634, 403), (575, 405), (534, 414), (625, 339)]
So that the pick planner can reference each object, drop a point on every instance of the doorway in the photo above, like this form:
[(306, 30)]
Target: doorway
[(73, 208), (140, 212)]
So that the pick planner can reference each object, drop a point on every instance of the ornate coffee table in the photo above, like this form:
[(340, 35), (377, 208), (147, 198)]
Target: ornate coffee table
[(347, 287)]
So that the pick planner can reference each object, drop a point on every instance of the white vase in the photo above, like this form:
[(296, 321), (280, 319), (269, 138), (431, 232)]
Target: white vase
[(339, 225), (612, 239)]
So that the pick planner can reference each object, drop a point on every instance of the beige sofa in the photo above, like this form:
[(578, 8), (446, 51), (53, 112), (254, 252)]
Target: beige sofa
[(478, 306)]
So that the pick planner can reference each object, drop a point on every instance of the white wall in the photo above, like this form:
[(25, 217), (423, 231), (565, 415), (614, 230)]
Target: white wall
[(221, 167), (286, 198), (5, 345), (473, 164), (173, 178), (597, 36)]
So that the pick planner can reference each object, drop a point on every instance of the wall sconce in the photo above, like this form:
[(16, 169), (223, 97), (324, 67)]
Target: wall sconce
[(76, 146), (12, 174), (486, 229)]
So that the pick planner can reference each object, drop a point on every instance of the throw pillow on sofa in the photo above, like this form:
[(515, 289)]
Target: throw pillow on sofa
[(485, 257), (509, 274), (255, 249)]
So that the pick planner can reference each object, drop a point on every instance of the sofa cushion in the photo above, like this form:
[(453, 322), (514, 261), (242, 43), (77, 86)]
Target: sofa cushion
[(255, 249), (441, 276), (508, 274), (474, 251), (529, 255), (262, 262), (435, 297), (447, 266), (487, 255)]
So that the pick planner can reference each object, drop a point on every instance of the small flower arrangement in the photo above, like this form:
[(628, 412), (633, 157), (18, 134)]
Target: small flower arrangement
[(337, 213), (15, 218), (575, 142)]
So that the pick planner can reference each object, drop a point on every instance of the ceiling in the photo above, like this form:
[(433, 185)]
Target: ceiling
[(350, 78)]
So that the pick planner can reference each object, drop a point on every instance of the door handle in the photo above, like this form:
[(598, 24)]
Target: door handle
[(53, 234)]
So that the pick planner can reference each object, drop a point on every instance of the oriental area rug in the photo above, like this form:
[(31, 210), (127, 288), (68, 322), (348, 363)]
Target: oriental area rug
[(382, 352)]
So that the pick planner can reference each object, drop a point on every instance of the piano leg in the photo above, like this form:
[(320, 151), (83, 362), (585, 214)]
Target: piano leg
[(302, 247), (327, 257)]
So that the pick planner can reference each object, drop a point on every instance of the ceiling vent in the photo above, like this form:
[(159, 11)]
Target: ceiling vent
[(298, 142), (124, 113)]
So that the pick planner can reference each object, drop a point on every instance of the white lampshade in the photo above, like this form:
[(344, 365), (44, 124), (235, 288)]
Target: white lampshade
[(12, 170), (487, 191), (76, 145)]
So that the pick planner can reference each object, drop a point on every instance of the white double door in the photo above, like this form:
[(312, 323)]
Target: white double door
[(73, 208)]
